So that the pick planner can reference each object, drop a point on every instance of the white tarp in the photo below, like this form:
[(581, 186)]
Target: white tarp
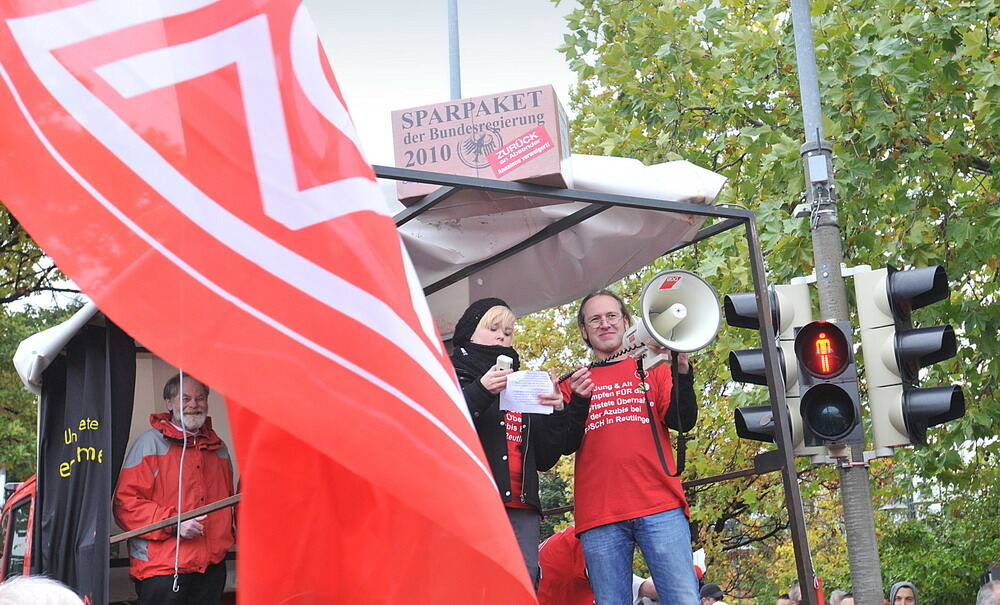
[(37, 351), (584, 258)]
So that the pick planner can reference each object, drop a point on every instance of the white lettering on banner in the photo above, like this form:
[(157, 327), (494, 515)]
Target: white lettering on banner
[(615, 403), (39, 35)]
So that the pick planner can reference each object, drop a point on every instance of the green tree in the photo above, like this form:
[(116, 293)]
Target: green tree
[(24, 268), (911, 95), (554, 491), (18, 411), (952, 540)]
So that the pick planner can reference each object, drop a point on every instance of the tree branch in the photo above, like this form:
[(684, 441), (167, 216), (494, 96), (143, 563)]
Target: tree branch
[(778, 527), (733, 163), (35, 290)]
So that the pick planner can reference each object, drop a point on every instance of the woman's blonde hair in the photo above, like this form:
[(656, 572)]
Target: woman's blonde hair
[(497, 315)]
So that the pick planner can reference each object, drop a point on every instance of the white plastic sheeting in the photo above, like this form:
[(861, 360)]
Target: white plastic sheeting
[(37, 351), (584, 258)]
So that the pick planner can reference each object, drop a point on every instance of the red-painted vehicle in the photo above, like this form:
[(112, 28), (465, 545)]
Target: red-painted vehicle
[(16, 524)]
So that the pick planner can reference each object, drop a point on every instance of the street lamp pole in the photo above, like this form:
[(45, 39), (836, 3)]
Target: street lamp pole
[(454, 61), (859, 518)]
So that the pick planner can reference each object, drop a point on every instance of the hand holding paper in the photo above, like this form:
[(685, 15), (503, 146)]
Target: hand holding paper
[(524, 391)]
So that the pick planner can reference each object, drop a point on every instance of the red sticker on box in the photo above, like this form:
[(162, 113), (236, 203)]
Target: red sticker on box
[(521, 150), (670, 281)]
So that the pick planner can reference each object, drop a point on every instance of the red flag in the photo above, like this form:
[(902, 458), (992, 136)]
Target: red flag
[(191, 165)]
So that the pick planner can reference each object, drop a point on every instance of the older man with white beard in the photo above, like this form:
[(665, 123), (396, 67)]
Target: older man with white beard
[(180, 459)]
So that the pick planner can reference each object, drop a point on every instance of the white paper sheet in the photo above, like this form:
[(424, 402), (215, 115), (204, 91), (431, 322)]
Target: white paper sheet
[(523, 389)]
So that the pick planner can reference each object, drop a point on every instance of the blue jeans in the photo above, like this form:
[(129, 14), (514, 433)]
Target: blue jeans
[(665, 541)]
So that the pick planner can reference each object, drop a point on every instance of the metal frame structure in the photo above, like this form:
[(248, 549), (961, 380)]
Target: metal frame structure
[(783, 458)]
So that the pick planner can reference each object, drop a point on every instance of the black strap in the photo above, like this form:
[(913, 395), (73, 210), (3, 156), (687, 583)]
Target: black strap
[(652, 426), (604, 362), (675, 402)]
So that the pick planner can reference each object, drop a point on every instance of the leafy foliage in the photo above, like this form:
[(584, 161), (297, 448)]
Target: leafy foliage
[(554, 489), (18, 411), (951, 542), (911, 95), (24, 268)]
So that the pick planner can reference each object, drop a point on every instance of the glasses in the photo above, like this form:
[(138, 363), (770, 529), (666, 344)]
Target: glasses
[(611, 318), (197, 399)]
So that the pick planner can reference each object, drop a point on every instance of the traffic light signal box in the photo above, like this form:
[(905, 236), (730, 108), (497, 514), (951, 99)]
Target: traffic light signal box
[(828, 395), (894, 352), (790, 309), (819, 370)]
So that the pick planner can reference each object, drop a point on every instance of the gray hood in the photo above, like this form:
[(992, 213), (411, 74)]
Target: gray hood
[(895, 588)]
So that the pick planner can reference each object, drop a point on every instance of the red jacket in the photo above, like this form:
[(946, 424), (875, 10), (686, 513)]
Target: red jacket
[(147, 493), (563, 571)]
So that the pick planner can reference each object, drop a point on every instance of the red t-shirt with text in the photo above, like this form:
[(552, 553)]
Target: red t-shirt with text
[(618, 473), (515, 459)]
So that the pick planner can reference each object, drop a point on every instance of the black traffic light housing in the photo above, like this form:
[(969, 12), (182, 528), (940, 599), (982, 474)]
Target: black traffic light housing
[(790, 308), (828, 394)]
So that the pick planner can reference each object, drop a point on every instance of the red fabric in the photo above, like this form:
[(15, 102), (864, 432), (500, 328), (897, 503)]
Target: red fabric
[(376, 550), (515, 459), (147, 493), (618, 474), (266, 265), (563, 578)]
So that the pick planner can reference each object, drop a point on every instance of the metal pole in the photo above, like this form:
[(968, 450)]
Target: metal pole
[(782, 422), (454, 62), (855, 490)]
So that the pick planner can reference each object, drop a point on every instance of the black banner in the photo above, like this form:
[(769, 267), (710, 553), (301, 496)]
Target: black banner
[(84, 417)]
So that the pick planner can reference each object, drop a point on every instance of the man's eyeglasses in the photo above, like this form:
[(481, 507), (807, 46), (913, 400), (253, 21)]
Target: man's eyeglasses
[(611, 318)]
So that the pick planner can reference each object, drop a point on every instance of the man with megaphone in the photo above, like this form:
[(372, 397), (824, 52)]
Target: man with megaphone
[(627, 492)]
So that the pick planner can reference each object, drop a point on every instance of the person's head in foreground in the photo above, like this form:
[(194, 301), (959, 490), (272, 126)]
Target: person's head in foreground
[(36, 590)]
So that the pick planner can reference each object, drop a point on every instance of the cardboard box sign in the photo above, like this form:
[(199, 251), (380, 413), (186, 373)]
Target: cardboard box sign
[(520, 135)]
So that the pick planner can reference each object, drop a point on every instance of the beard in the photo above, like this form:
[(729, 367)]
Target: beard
[(193, 421)]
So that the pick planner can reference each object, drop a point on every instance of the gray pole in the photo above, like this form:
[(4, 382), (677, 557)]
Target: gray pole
[(782, 423), (855, 491), (454, 62)]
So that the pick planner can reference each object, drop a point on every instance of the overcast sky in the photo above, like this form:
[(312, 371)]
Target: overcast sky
[(393, 54)]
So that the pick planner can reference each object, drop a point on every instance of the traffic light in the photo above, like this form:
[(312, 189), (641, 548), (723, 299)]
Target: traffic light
[(790, 308), (895, 351), (757, 423), (828, 402)]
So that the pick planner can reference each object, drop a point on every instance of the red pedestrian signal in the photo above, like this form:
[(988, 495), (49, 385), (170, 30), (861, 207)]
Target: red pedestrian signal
[(828, 402), (823, 349)]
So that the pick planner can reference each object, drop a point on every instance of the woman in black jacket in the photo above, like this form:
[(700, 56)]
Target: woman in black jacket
[(516, 445)]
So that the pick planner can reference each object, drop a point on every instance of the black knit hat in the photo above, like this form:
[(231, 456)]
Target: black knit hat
[(466, 326)]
